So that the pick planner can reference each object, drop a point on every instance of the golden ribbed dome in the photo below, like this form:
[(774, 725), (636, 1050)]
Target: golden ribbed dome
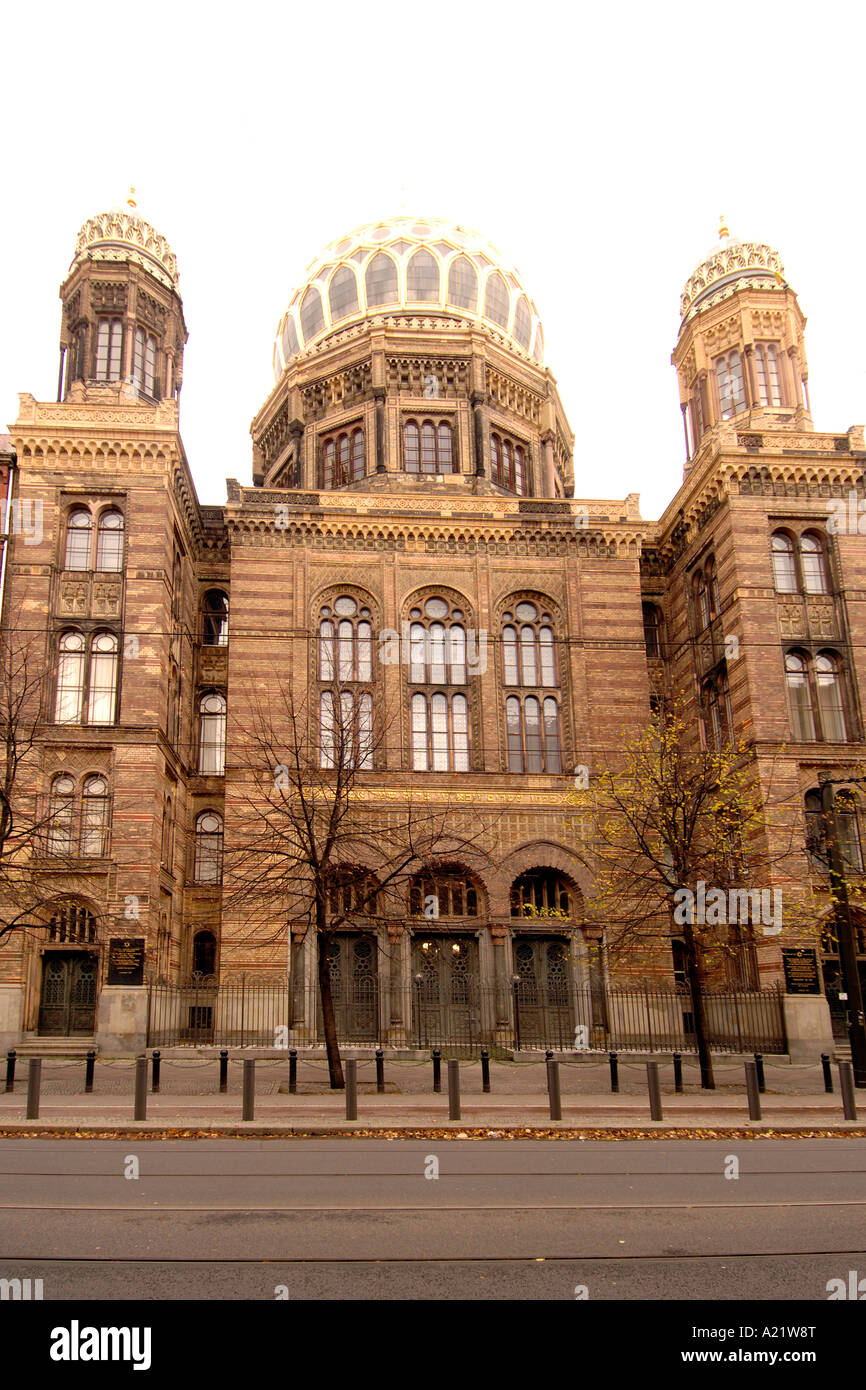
[(729, 267), (417, 266), (121, 235)]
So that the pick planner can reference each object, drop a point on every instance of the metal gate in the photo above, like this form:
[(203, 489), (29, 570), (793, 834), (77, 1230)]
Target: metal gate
[(354, 988), (446, 1004), (68, 1002), (544, 1003)]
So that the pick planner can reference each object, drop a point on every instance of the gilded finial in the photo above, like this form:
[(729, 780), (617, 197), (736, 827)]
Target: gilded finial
[(130, 202), (723, 228)]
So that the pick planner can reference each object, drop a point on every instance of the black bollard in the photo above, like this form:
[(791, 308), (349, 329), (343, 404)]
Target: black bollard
[(34, 1081), (437, 1070), (485, 1069), (828, 1075), (249, 1092), (759, 1072), (154, 1080), (614, 1074), (655, 1095), (678, 1074), (139, 1111), (752, 1091), (553, 1092), (293, 1072), (453, 1090), (351, 1090), (380, 1071), (224, 1070), (10, 1070), (846, 1086), (89, 1064)]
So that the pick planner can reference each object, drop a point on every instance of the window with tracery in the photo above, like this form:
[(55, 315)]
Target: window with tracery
[(439, 665), (422, 278), (799, 563), (86, 687), (532, 716), (442, 895), (815, 695), (109, 347), (212, 734), (208, 848), (541, 892), (717, 712), (768, 379), (731, 384), (345, 668), (428, 446)]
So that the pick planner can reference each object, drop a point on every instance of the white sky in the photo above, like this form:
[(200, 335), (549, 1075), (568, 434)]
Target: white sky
[(595, 145)]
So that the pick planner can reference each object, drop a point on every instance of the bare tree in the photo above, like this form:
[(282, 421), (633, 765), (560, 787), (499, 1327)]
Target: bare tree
[(670, 816), (309, 812)]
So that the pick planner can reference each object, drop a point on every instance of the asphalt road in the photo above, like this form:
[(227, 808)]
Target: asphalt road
[(332, 1218)]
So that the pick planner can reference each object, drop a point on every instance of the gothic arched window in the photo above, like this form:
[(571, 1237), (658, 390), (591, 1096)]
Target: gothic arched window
[(767, 378), (815, 693), (312, 314), (109, 541), (422, 278), (343, 458), (438, 657), (496, 300), (381, 280), (343, 293), (428, 446), (61, 815), (784, 563), (531, 717), (731, 385), (508, 463), (346, 668), (212, 734), (215, 619), (109, 343), (463, 284), (522, 322), (79, 530), (94, 816), (208, 848)]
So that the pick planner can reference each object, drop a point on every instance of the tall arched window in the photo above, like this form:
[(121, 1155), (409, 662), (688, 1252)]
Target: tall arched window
[(109, 342), (652, 627), (428, 446), (346, 665), (443, 894), (800, 696), (212, 734), (70, 678), (831, 709), (109, 542), (731, 386), (438, 656), (463, 284), (208, 848), (784, 564), (381, 280), (343, 293), (61, 815), (343, 458), (312, 314), (529, 660), (718, 716), (215, 619), (144, 362), (79, 530), (102, 685), (508, 463), (522, 322), (848, 830), (541, 891), (767, 378), (496, 299), (94, 816), (812, 564), (422, 278)]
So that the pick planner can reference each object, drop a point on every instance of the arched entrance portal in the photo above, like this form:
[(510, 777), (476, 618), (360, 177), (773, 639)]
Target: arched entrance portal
[(70, 973)]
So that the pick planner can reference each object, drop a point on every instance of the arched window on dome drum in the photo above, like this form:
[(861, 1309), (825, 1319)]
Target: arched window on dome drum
[(381, 280), (343, 293), (496, 300), (463, 284), (144, 361), (109, 542), (538, 347), (79, 529), (731, 386), (109, 342), (522, 322), (312, 316), (343, 458), (508, 464), (767, 378), (422, 278), (290, 338), (428, 447)]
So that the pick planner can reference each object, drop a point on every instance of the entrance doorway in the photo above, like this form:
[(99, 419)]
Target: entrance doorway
[(445, 999), (67, 1006), (354, 988), (543, 994)]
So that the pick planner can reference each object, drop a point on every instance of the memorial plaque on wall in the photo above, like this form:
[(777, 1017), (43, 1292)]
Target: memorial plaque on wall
[(126, 960), (801, 970)]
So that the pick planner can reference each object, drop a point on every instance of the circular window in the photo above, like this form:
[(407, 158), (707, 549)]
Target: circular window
[(326, 612), (457, 614), (527, 612), (506, 617), (346, 607), (436, 608), (416, 613)]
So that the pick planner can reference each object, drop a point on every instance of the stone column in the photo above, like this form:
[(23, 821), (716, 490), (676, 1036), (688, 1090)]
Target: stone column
[(549, 466), (500, 937), (379, 398), (794, 365), (296, 432), (396, 1020), (684, 408), (749, 376), (706, 399), (479, 421)]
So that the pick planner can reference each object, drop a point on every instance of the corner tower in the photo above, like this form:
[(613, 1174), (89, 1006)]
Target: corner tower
[(123, 321), (740, 354)]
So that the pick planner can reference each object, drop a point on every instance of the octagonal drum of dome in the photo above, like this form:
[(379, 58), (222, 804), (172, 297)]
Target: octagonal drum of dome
[(422, 267)]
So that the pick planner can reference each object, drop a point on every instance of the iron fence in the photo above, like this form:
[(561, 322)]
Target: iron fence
[(275, 1011)]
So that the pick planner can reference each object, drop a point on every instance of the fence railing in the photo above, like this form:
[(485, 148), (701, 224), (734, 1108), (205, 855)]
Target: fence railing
[(278, 1012)]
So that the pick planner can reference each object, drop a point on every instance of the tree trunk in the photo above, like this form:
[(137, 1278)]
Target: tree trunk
[(699, 1012), (332, 1047)]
